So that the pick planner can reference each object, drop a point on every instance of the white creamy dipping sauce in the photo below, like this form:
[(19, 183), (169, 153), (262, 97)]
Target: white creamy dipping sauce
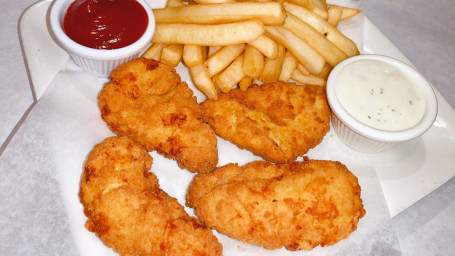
[(380, 95)]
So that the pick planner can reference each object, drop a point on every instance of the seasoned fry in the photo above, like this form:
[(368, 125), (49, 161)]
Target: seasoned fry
[(289, 64), (231, 76), (272, 68), (208, 35), (202, 81), (172, 54), (318, 42), (222, 58), (253, 62), (298, 47), (154, 52), (194, 55), (266, 45), (307, 80), (270, 13), (322, 26)]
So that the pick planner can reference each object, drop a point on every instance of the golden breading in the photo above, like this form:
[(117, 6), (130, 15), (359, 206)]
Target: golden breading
[(130, 213), (299, 205), (146, 101), (278, 121)]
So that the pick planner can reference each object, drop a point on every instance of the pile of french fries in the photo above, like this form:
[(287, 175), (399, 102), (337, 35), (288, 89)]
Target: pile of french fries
[(226, 43)]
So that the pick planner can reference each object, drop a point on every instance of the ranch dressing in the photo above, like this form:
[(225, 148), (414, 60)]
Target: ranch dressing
[(379, 95)]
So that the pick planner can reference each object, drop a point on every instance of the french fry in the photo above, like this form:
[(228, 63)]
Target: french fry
[(266, 45), (231, 76), (334, 17), (222, 58), (325, 71), (272, 68), (213, 49), (318, 42), (154, 52), (307, 80), (208, 35), (172, 54), (253, 62), (305, 71), (174, 3), (318, 7), (303, 3), (245, 83), (298, 47), (225, 43), (194, 55), (347, 12), (322, 26), (270, 13), (202, 81), (289, 64), (214, 1)]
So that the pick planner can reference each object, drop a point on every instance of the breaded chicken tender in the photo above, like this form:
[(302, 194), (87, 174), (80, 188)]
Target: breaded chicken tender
[(147, 102), (298, 205), (278, 121), (130, 213)]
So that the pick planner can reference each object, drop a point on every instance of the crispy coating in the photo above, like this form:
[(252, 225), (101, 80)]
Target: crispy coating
[(299, 205), (146, 101), (130, 213), (278, 121)]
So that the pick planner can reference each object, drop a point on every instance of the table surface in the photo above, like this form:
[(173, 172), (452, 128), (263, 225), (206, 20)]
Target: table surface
[(420, 29)]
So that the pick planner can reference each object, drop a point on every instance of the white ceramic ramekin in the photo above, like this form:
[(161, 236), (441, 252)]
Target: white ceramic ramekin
[(364, 138), (95, 61)]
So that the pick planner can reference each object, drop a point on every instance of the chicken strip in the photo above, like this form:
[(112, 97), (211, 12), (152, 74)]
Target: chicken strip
[(299, 205), (130, 213), (146, 101), (278, 121)]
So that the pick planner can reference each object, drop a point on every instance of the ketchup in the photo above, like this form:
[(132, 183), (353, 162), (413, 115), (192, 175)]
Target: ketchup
[(105, 24)]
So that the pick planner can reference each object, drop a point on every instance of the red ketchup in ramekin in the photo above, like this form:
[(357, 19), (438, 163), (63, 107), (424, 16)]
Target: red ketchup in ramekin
[(105, 24)]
